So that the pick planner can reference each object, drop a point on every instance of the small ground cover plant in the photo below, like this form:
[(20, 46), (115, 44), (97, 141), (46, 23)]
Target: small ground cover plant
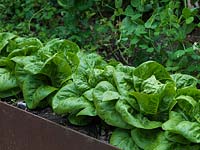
[(149, 108), (130, 31)]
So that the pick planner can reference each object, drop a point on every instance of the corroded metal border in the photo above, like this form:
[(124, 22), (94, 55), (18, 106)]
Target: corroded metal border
[(21, 130)]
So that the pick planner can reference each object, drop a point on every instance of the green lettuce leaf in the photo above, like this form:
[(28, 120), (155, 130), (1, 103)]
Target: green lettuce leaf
[(23, 47), (4, 39), (160, 142), (190, 91), (65, 47), (149, 68), (176, 138), (121, 138), (89, 71), (35, 90), (134, 118), (106, 109), (144, 138), (184, 80), (79, 120), (69, 99), (123, 82), (177, 124), (8, 83)]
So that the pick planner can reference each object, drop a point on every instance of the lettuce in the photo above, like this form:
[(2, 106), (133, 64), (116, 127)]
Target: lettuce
[(149, 108)]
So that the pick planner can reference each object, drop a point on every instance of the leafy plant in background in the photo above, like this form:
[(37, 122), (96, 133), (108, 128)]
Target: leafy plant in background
[(129, 31), (153, 29), (149, 108)]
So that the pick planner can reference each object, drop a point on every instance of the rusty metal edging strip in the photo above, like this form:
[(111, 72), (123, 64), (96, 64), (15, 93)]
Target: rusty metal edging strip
[(21, 130)]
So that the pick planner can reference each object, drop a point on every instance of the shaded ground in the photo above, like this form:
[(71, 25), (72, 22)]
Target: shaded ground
[(96, 129)]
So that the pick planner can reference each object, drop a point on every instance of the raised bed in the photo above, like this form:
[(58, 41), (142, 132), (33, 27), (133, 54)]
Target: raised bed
[(21, 130)]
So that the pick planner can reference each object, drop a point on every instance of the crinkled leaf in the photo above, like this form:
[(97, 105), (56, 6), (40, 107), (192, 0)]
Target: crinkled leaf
[(177, 124), (144, 138), (160, 143), (187, 104), (56, 46), (151, 85), (10, 92), (35, 89), (148, 102), (23, 46), (149, 68), (89, 94), (79, 120), (184, 80), (134, 118), (7, 80), (106, 109), (123, 82), (57, 69), (153, 96), (121, 138), (89, 71), (177, 138), (88, 111), (110, 95), (68, 99), (4, 39), (196, 112), (190, 91), (7, 63)]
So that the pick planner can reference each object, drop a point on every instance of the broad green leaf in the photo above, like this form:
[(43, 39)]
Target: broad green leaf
[(23, 46), (190, 91), (187, 104), (10, 92), (151, 85), (160, 142), (79, 120), (110, 95), (31, 64), (7, 80), (35, 89), (57, 69), (134, 118), (121, 138), (4, 39), (177, 138), (154, 96), (88, 111), (196, 112), (69, 99), (20, 74), (148, 102), (177, 124), (7, 63), (123, 80), (106, 109), (89, 94), (189, 20), (58, 46), (184, 80), (149, 68), (89, 71), (186, 12), (144, 138)]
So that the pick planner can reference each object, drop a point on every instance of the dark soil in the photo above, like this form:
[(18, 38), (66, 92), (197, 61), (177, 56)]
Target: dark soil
[(96, 129)]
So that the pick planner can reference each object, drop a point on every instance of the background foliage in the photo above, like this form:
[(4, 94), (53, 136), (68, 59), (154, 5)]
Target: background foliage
[(130, 31)]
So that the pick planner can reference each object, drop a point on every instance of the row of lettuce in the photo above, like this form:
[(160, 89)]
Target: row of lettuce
[(150, 108)]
